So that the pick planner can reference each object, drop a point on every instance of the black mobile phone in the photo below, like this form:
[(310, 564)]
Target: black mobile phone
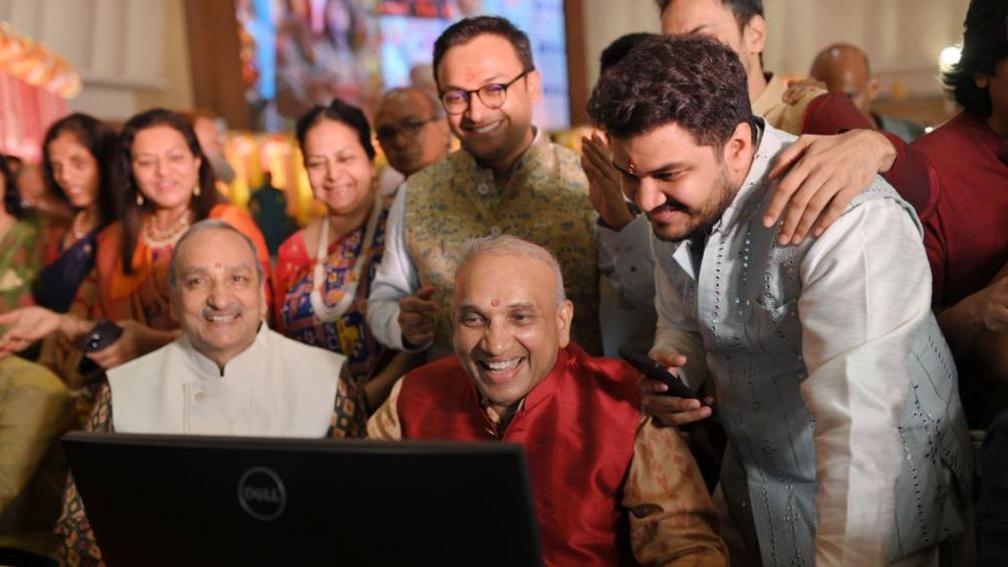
[(650, 368), (102, 335)]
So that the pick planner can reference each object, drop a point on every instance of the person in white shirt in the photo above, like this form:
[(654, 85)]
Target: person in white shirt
[(228, 374), (846, 438)]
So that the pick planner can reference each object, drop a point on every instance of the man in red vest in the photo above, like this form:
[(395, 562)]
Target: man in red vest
[(600, 469)]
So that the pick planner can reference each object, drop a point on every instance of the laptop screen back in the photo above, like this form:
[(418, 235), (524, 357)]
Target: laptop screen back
[(190, 500)]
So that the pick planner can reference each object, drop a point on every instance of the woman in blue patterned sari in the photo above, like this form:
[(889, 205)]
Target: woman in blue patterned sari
[(77, 154), (324, 272)]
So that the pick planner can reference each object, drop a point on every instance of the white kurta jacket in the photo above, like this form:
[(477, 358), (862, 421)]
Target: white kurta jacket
[(277, 387)]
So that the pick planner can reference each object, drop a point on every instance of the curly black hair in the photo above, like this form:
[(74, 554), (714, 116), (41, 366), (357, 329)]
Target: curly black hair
[(619, 48), (985, 44), (693, 81), (341, 112)]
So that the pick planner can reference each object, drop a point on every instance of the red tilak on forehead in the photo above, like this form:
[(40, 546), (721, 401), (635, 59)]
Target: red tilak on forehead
[(495, 303), (218, 265)]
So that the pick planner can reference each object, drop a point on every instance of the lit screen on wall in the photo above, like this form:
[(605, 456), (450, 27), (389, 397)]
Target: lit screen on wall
[(296, 53)]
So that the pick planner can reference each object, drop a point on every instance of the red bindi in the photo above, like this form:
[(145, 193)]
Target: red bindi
[(495, 302)]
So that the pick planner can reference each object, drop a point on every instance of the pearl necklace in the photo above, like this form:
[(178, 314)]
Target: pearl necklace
[(324, 312), (160, 239)]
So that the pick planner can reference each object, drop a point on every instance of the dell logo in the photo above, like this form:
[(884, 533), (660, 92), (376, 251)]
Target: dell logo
[(261, 494)]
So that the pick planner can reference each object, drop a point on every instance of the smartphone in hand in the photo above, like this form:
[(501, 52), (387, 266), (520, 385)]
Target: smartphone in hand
[(102, 335), (650, 368)]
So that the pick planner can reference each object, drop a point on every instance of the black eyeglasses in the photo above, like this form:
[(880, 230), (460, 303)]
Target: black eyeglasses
[(493, 95), (410, 127)]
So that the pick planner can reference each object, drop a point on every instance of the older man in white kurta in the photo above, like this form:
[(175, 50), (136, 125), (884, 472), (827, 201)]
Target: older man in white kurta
[(228, 374)]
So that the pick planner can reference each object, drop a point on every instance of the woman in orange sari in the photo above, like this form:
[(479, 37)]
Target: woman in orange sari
[(165, 185)]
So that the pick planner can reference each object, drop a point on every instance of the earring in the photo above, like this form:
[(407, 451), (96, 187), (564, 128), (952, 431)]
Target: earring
[(196, 191), (140, 199)]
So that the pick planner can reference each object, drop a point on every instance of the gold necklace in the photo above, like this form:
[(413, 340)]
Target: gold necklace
[(155, 238), (78, 220)]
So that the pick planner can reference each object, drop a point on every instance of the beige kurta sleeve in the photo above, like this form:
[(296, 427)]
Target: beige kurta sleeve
[(384, 423), (672, 518)]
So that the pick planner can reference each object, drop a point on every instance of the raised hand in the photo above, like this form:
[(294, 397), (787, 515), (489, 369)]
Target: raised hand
[(604, 188), (416, 317)]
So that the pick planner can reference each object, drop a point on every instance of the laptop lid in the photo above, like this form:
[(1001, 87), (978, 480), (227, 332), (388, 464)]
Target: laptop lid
[(195, 500)]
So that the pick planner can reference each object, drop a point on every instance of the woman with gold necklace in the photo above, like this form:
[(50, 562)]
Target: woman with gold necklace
[(166, 184), (324, 271)]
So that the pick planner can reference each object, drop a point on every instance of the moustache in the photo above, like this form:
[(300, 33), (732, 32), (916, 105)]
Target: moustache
[(211, 312), (669, 206)]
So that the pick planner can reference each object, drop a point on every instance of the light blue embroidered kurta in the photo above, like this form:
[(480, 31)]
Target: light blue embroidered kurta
[(832, 379)]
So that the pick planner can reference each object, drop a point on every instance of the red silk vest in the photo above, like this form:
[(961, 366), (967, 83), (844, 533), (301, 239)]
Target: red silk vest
[(577, 426)]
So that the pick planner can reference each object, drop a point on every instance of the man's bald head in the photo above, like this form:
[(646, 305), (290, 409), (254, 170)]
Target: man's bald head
[(844, 68), (411, 128)]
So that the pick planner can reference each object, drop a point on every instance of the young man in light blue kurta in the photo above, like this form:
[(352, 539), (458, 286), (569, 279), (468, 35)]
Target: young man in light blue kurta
[(847, 443)]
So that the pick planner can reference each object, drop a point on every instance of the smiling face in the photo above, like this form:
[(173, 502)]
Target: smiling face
[(682, 186), (74, 169), (165, 169), (218, 299), (508, 326), (496, 137), (339, 170)]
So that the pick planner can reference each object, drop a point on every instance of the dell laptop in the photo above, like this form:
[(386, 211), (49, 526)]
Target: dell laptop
[(192, 500)]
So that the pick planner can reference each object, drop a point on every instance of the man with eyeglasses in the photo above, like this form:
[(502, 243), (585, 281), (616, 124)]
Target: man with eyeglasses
[(412, 130), (508, 178)]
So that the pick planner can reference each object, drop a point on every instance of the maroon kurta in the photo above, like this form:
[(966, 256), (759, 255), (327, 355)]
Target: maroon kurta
[(967, 234), (577, 427)]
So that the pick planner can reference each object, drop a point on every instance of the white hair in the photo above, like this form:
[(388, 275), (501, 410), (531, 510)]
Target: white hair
[(203, 226), (507, 245)]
